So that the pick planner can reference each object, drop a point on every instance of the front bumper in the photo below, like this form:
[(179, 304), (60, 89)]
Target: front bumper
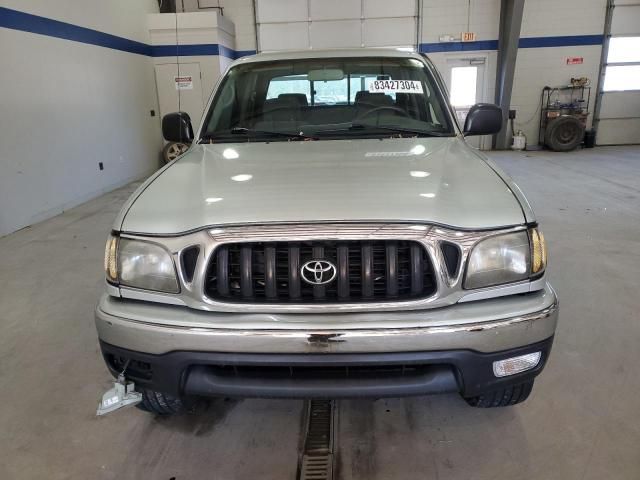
[(320, 375), (182, 351)]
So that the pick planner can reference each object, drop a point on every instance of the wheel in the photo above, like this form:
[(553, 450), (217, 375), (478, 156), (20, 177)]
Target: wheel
[(502, 398), (160, 403), (564, 134), (173, 150)]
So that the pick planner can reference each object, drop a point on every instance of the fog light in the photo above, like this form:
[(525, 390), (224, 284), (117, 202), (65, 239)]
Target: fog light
[(513, 365)]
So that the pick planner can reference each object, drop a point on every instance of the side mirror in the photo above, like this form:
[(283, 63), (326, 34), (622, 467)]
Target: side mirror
[(483, 119), (176, 127)]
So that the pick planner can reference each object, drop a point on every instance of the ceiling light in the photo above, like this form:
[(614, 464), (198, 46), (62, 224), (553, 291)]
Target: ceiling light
[(213, 199), (418, 150), (419, 173), (428, 195)]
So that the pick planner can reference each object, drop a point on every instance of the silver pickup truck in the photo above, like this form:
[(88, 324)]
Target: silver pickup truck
[(328, 234)]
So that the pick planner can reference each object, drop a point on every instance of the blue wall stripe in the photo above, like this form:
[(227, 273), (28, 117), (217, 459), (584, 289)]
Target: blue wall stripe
[(244, 53), (566, 41), (203, 49), (458, 46), (529, 42), (28, 22), (185, 50)]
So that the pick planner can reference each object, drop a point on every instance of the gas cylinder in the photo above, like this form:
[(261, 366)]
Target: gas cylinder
[(519, 141)]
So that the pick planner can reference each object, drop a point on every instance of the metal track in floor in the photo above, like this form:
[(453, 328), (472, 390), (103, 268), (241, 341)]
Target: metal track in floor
[(316, 461)]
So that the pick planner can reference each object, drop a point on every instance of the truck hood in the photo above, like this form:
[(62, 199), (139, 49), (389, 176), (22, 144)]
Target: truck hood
[(430, 180)]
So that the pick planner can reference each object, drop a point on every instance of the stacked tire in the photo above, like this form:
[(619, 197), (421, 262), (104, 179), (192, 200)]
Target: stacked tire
[(564, 133)]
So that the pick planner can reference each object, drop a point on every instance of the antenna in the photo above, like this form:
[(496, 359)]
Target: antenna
[(178, 56)]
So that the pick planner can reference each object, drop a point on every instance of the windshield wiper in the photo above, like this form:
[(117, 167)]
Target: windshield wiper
[(250, 131), (392, 128)]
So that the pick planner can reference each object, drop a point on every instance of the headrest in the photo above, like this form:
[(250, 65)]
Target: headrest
[(299, 98), (375, 99)]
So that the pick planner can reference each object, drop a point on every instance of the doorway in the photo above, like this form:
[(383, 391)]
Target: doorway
[(466, 83)]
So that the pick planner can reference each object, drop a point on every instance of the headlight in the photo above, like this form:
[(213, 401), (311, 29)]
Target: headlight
[(500, 259), (139, 264)]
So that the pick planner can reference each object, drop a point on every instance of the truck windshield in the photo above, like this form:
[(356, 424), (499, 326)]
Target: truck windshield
[(327, 99)]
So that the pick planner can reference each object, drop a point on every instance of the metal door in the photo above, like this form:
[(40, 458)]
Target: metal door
[(180, 89), (465, 81), (302, 24), (617, 114)]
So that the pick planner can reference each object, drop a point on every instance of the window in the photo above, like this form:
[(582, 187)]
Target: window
[(289, 84), (622, 71), (624, 49), (463, 86), (331, 92)]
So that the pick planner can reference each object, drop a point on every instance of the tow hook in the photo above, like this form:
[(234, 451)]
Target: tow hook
[(122, 395)]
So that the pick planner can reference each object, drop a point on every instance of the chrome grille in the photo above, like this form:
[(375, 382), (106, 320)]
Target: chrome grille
[(367, 270)]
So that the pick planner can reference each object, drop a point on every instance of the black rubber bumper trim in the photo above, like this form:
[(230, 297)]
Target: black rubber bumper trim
[(198, 373), (204, 381)]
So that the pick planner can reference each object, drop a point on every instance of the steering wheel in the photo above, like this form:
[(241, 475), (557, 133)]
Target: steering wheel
[(381, 108)]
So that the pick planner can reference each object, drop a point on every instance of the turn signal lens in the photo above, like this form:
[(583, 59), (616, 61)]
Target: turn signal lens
[(538, 251), (513, 365), (110, 259)]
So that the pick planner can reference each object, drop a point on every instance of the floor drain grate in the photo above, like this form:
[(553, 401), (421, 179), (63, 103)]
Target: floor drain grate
[(317, 467), (317, 458)]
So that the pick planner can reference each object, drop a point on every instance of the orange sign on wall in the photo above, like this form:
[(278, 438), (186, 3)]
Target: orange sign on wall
[(468, 36)]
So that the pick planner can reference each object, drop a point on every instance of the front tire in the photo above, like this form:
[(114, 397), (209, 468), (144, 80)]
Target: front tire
[(504, 397), (160, 403)]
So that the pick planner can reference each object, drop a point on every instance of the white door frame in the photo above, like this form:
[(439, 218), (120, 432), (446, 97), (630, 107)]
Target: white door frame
[(480, 59)]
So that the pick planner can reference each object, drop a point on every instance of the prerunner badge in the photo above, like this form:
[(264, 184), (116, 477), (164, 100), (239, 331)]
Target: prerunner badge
[(395, 86)]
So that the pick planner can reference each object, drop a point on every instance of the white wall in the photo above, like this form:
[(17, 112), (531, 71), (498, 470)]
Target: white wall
[(454, 17), (195, 28), (67, 106), (240, 12), (539, 67), (535, 67)]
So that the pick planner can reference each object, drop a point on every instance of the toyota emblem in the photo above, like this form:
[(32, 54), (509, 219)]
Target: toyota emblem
[(318, 272)]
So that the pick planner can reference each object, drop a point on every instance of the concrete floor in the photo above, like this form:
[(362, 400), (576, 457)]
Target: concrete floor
[(580, 423)]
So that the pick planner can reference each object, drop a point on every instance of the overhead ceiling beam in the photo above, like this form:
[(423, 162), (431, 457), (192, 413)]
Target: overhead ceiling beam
[(510, 24)]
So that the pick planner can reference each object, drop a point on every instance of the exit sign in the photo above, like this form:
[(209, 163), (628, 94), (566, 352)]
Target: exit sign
[(468, 36), (575, 60)]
